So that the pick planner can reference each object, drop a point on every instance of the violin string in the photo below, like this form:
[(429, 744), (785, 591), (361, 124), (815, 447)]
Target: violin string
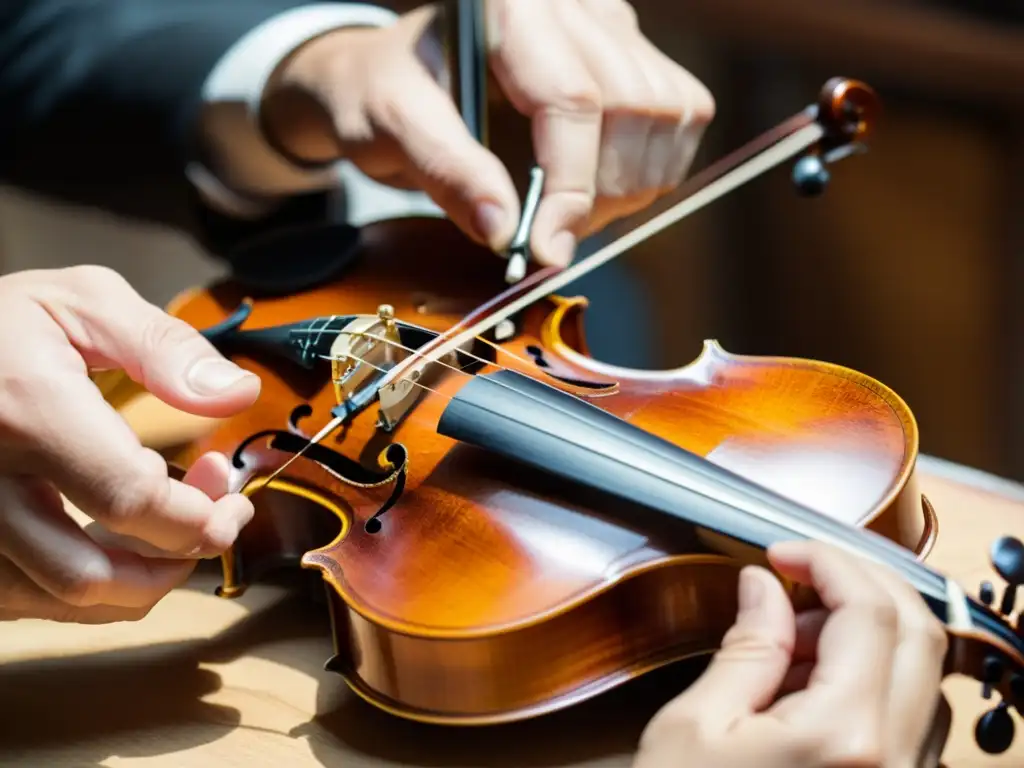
[(777, 153), (416, 352), (336, 423), (439, 335), (813, 520), (816, 520)]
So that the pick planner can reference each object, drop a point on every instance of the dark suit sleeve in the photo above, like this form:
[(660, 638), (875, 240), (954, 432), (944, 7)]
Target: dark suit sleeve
[(100, 101)]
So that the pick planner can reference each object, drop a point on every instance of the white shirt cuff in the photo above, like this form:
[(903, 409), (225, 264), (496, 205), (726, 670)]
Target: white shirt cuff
[(241, 174)]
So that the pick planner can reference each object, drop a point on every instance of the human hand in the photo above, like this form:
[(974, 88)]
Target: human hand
[(854, 683), (615, 122), (58, 436)]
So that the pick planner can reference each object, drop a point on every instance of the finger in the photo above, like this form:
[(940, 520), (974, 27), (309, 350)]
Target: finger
[(808, 634), (857, 644), (22, 598), (745, 674), (72, 437), (695, 109), (111, 325), (681, 107), (210, 474), (427, 141), (40, 539), (917, 669), (458, 173), (539, 69), (632, 102)]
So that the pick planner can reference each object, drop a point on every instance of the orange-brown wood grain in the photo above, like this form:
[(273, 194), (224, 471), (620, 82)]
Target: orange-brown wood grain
[(494, 592)]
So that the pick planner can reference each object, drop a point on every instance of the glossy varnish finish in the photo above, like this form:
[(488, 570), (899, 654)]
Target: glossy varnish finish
[(493, 592)]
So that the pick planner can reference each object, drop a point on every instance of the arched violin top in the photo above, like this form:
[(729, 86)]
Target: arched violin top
[(848, 109)]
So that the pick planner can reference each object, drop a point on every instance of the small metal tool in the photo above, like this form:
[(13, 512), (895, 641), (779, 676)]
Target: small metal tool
[(519, 248)]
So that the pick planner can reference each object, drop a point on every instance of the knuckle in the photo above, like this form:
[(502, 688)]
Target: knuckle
[(388, 105), (696, 101), (934, 638), (140, 492), (879, 611), (743, 643), (623, 14), (160, 331), (857, 742), (94, 279), (576, 96), (82, 586), (24, 391)]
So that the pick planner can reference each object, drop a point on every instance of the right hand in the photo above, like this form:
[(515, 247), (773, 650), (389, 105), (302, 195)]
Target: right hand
[(854, 683), (615, 122), (59, 437)]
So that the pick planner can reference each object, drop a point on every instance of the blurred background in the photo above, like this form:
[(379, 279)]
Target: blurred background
[(910, 268)]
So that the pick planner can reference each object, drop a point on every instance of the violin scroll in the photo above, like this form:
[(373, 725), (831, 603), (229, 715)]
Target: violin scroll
[(848, 109), (994, 732)]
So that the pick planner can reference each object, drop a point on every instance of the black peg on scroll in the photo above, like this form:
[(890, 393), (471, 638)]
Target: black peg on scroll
[(810, 175), (992, 673), (994, 730), (987, 593), (1007, 556)]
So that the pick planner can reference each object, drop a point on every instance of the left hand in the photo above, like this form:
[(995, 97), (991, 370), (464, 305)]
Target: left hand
[(854, 683), (616, 123)]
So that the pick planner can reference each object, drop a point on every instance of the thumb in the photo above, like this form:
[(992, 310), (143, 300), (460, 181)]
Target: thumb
[(745, 674), (112, 326)]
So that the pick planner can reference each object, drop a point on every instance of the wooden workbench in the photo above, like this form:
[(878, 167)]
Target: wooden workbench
[(210, 683)]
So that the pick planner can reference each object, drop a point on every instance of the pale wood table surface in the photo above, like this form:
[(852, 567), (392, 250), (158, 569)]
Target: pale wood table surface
[(206, 682)]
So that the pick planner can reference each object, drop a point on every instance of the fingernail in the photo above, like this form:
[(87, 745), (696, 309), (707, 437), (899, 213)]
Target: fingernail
[(563, 247), (490, 221), (215, 375), (751, 592)]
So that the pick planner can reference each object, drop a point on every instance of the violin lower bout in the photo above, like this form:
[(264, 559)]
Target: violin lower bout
[(665, 613)]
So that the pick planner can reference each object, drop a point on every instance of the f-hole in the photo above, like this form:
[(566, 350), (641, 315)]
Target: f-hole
[(554, 371), (538, 356)]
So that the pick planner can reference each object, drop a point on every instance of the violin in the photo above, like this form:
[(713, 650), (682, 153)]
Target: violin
[(506, 526)]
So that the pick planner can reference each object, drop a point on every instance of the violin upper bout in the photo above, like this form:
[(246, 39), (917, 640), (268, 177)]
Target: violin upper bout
[(563, 327)]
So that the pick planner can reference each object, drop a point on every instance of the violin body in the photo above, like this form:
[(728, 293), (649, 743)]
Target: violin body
[(489, 591)]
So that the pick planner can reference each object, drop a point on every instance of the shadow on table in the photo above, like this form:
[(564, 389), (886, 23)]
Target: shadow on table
[(603, 727), (103, 704)]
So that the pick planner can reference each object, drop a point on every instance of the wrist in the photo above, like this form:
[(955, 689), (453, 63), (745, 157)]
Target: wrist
[(296, 111)]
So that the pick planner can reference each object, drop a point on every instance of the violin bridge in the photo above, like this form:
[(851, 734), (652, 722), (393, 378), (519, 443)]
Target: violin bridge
[(397, 397), (362, 349)]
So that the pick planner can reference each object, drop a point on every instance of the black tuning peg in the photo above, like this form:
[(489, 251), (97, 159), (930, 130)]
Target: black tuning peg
[(987, 593), (1007, 555), (810, 175), (994, 730), (991, 675)]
